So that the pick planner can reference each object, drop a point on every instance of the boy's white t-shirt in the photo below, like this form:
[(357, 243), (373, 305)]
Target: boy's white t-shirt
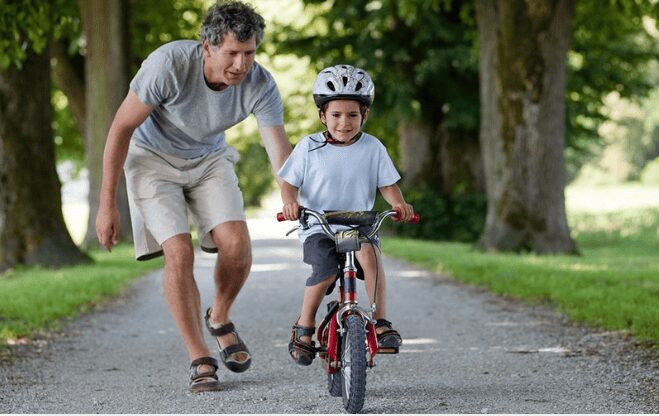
[(342, 178)]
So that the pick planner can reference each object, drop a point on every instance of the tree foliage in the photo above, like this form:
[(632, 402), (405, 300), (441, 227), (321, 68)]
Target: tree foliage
[(420, 52), (28, 25), (611, 51), (155, 22)]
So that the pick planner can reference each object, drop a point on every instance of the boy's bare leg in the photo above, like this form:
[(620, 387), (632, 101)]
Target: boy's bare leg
[(366, 260), (313, 296)]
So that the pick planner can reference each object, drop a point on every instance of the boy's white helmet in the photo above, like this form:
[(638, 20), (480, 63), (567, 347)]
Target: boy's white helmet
[(343, 82)]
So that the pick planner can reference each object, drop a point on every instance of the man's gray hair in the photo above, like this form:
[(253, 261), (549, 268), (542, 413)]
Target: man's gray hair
[(232, 16)]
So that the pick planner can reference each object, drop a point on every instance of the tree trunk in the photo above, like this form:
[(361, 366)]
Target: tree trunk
[(461, 163), (523, 52), (440, 158), (32, 229), (417, 155), (106, 83), (68, 79)]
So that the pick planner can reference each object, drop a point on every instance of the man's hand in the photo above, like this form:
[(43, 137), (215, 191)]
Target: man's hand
[(107, 227)]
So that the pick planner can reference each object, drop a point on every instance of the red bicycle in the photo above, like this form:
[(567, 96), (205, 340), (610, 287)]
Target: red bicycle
[(347, 338)]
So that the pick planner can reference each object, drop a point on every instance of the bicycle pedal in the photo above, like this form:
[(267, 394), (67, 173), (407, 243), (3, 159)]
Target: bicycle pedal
[(390, 350)]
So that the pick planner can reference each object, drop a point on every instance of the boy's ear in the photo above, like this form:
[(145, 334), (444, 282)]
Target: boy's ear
[(321, 115), (365, 116)]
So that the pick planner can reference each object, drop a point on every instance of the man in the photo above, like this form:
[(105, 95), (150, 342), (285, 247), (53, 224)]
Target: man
[(168, 135)]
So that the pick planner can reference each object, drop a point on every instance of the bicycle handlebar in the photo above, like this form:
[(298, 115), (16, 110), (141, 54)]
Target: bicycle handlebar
[(379, 219)]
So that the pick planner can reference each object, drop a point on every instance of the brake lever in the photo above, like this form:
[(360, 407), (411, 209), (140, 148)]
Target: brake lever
[(304, 224), (297, 227)]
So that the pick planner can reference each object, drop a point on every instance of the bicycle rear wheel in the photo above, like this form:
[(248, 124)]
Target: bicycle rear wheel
[(353, 360)]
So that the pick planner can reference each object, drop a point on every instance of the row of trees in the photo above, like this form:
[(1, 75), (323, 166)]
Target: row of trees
[(429, 57), (89, 49), (478, 93)]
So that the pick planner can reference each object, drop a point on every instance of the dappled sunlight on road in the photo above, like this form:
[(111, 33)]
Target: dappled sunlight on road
[(256, 268), (411, 273), (420, 341)]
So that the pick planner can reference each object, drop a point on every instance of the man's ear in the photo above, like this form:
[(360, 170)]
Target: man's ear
[(206, 48)]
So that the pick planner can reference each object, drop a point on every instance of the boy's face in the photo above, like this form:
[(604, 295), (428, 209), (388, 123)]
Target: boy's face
[(343, 119)]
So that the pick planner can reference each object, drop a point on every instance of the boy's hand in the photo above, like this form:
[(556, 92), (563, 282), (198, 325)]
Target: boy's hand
[(406, 211), (291, 211)]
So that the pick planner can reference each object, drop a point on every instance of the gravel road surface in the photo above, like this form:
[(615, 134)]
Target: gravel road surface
[(465, 351)]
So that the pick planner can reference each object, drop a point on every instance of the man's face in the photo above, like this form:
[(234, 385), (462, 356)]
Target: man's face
[(228, 63)]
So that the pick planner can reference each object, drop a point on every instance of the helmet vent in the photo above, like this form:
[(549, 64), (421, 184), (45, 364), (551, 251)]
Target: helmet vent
[(358, 86), (345, 80), (331, 86)]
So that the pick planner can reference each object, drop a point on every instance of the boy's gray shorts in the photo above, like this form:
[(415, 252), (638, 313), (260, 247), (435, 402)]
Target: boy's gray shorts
[(319, 251), (162, 190)]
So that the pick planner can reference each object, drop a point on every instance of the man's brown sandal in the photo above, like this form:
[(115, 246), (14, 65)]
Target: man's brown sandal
[(305, 352), (237, 366), (389, 340), (203, 381)]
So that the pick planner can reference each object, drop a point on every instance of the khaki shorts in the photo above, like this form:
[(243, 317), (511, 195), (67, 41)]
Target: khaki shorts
[(162, 190)]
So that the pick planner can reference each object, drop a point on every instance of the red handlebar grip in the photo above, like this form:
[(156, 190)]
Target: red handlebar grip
[(416, 218), (280, 217)]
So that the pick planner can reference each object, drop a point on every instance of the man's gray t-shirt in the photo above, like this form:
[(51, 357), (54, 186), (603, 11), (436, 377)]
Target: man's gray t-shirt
[(342, 178), (189, 119)]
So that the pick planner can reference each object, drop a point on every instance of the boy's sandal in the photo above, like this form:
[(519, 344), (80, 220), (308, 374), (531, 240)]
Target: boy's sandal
[(305, 352), (203, 381), (389, 340), (237, 366)]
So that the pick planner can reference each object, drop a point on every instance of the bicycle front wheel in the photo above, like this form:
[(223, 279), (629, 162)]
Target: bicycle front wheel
[(353, 370), (334, 384)]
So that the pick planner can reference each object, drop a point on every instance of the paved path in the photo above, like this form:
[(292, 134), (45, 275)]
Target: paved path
[(465, 351)]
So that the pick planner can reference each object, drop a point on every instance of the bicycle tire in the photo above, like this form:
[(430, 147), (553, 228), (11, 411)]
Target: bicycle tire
[(334, 381), (335, 384), (353, 364)]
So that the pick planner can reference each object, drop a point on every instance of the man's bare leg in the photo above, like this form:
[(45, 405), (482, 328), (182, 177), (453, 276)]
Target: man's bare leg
[(232, 267), (182, 294)]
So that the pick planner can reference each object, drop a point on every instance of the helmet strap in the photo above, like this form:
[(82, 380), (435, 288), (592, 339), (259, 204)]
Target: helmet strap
[(331, 140)]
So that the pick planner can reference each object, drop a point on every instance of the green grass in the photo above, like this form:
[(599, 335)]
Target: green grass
[(34, 299), (613, 284)]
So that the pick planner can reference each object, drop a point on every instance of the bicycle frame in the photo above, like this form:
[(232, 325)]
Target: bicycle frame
[(332, 325), (346, 304)]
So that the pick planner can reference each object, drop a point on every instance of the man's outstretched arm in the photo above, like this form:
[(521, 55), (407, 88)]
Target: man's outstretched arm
[(277, 146), (131, 113)]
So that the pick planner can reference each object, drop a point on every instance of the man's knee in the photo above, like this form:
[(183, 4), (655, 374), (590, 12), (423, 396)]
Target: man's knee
[(232, 238), (178, 251)]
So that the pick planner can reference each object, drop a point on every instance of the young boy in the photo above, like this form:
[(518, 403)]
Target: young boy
[(339, 169)]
